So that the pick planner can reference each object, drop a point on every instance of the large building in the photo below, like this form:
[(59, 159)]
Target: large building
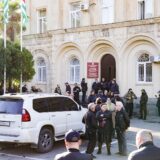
[(72, 39)]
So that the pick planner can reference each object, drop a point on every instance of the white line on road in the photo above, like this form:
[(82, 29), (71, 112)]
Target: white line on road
[(12, 155)]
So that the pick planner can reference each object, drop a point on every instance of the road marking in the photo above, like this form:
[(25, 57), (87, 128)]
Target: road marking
[(17, 156), (131, 144)]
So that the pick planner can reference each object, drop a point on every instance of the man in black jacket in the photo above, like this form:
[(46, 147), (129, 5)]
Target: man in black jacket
[(72, 143), (91, 128), (122, 123), (84, 90), (146, 149)]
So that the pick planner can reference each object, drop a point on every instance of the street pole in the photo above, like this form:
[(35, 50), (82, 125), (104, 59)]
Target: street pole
[(21, 55), (4, 83)]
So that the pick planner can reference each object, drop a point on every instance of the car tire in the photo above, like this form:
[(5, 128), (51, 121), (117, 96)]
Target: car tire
[(45, 141)]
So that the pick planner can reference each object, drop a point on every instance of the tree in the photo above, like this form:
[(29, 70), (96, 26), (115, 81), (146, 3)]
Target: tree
[(16, 61), (13, 26)]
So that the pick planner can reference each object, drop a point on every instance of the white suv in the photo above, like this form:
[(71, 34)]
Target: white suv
[(38, 119)]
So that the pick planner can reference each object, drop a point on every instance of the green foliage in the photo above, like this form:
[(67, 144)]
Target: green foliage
[(16, 62)]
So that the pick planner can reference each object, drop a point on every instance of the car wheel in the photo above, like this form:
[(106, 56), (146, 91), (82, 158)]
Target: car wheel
[(45, 141)]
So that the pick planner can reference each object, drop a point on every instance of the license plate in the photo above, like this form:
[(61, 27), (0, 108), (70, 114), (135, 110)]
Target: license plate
[(4, 123)]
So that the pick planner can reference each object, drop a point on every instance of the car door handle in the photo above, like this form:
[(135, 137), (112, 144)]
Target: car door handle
[(68, 114), (53, 115)]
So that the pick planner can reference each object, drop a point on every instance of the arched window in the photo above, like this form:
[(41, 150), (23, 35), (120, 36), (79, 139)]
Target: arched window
[(41, 70), (144, 68), (74, 71)]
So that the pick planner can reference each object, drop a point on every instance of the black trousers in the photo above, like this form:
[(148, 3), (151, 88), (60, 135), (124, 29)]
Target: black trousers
[(122, 145), (83, 96), (91, 142)]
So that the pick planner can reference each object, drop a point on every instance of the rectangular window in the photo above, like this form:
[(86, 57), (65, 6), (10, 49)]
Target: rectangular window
[(145, 9), (75, 15), (145, 72), (107, 11), (41, 21), (141, 72), (148, 72), (11, 106)]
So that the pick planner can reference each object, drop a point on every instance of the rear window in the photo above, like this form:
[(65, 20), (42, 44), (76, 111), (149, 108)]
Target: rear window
[(11, 106)]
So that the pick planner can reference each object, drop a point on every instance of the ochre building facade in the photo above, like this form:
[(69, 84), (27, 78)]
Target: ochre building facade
[(122, 37)]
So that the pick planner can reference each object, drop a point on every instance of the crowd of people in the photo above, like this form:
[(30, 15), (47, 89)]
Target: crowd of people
[(102, 121), (102, 90), (108, 117)]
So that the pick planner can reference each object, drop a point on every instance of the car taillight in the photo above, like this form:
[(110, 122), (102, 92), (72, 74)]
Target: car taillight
[(25, 116)]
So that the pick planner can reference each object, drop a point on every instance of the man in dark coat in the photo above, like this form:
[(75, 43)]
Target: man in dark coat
[(143, 104), (122, 123), (68, 88), (105, 128), (76, 91), (146, 149), (91, 128), (24, 88), (158, 104), (72, 143), (92, 97), (84, 90), (96, 86)]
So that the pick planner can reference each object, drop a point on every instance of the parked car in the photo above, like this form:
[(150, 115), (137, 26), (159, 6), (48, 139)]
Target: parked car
[(38, 119)]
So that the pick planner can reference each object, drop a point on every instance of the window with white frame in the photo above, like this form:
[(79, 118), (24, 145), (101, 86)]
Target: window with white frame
[(41, 70), (41, 21), (74, 71), (144, 68), (75, 15), (145, 9), (107, 11)]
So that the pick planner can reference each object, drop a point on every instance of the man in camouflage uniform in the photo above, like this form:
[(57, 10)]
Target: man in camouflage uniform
[(143, 104), (130, 96)]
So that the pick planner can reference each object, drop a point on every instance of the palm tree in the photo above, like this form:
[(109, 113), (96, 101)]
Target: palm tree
[(13, 26)]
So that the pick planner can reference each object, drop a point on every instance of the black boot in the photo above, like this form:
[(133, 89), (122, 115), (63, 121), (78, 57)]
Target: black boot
[(108, 149), (99, 149)]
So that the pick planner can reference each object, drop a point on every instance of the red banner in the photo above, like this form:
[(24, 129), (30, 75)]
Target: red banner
[(92, 70)]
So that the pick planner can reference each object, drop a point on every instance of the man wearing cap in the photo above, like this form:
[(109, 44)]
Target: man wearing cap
[(146, 149), (72, 143)]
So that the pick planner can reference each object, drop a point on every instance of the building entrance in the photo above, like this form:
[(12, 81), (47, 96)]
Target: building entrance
[(108, 67)]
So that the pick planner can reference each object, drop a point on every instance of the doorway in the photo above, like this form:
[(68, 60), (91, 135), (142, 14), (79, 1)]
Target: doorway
[(108, 67)]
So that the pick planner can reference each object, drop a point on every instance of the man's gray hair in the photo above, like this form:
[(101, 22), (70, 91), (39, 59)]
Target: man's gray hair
[(145, 135), (91, 105)]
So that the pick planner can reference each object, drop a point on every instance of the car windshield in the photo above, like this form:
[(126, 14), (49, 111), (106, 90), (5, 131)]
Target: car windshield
[(11, 106)]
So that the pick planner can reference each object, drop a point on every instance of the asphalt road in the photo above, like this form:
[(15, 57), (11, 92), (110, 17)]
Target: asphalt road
[(11, 152)]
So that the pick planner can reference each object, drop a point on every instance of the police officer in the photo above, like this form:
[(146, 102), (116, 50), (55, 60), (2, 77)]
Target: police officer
[(72, 143)]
